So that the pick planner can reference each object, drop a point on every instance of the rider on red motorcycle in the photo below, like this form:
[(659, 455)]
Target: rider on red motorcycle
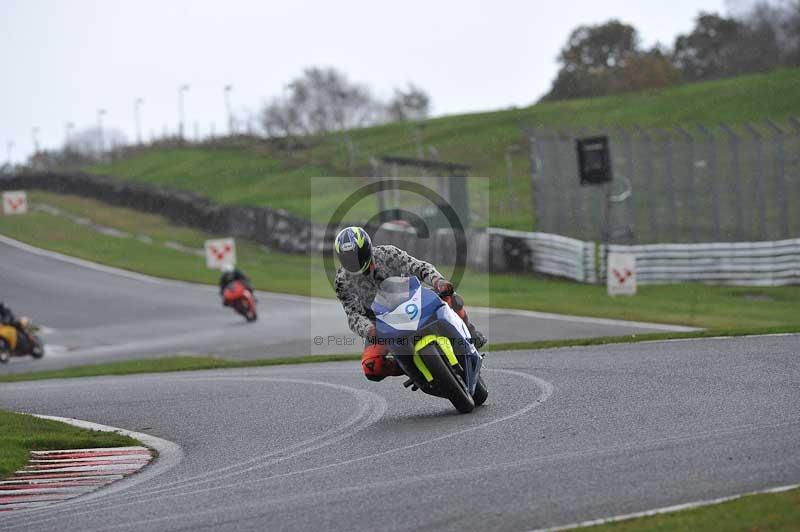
[(364, 267), (231, 274)]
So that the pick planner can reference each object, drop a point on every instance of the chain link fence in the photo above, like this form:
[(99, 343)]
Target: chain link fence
[(719, 183)]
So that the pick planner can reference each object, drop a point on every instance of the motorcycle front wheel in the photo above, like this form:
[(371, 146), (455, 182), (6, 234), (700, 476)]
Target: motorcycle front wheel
[(5, 352), (444, 377), (38, 348), (481, 393)]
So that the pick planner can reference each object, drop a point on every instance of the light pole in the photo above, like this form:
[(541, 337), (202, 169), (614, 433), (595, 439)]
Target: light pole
[(9, 147), (181, 90), (510, 174), (68, 127), (418, 127), (228, 89), (35, 135), (101, 145), (137, 104)]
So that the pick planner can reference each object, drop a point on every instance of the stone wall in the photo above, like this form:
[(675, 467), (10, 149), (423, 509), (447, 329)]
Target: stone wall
[(275, 228)]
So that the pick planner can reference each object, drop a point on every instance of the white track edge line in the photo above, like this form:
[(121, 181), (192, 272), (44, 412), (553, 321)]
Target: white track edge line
[(666, 509), (643, 342), (587, 319), (77, 261)]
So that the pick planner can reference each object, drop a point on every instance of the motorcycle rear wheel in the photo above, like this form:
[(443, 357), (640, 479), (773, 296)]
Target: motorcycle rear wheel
[(38, 348), (445, 378)]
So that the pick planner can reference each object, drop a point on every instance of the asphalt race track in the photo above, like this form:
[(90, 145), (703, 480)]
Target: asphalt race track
[(96, 314), (566, 435)]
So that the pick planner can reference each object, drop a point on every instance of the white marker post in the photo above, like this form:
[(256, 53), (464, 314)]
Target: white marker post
[(219, 252), (621, 274), (15, 202)]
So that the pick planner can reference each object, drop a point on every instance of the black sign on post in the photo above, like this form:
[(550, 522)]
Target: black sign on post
[(594, 160)]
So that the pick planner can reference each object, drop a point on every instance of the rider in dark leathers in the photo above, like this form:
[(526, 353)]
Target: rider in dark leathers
[(24, 343), (6, 316)]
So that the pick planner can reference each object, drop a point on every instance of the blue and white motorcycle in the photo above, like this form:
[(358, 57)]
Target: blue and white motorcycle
[(430, 342)]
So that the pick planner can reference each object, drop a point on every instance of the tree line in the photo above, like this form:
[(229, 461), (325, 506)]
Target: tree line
[(322, 100), (608, 58)]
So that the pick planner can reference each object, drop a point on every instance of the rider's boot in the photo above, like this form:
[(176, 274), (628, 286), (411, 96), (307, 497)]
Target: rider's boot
[(378, 364)]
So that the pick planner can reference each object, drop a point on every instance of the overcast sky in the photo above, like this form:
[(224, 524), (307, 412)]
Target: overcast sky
[(63, 60)]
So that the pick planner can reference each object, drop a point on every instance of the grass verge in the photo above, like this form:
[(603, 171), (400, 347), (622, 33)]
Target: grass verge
[(710, 307), (146, 249), (761, 512), (636, 338), (194, 363), (167, 364), (21, 433), (257, 174)]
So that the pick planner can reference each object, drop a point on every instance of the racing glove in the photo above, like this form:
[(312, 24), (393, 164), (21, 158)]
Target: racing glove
[(443, 287)]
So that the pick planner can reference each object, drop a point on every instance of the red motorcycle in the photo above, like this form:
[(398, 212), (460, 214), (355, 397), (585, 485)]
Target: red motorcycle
[(241, 298)]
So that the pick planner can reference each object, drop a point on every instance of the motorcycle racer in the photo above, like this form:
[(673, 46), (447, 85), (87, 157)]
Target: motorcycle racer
[(6, 316), (230, 274), (24, 343), (363, 268)]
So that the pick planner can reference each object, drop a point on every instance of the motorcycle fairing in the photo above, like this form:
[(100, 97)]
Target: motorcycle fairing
[(406, 316), (233, 291), (454, 328), (396, 318), (9, 334), (400, 313)]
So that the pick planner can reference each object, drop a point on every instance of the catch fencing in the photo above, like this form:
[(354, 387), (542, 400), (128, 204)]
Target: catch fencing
[(704, 183)]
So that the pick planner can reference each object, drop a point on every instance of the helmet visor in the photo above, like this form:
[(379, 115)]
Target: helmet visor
[(355, 262)]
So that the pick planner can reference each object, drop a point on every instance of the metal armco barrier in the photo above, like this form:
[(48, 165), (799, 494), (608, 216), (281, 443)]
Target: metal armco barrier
[(773, 263), (546, 253)]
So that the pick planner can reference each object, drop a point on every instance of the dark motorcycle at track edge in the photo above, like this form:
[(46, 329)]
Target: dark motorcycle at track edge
[(19, 341)]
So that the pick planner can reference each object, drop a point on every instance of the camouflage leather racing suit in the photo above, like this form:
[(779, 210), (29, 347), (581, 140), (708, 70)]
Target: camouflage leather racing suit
[(356, 293)]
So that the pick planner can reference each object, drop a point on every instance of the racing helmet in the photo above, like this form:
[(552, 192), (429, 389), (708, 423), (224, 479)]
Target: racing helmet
[(353, 249)]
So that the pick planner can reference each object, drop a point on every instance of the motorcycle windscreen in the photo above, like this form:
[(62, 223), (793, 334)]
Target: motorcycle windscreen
[(392, 292), (398, 304)]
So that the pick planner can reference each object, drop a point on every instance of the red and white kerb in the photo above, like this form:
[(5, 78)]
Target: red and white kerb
[(54, 476)]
